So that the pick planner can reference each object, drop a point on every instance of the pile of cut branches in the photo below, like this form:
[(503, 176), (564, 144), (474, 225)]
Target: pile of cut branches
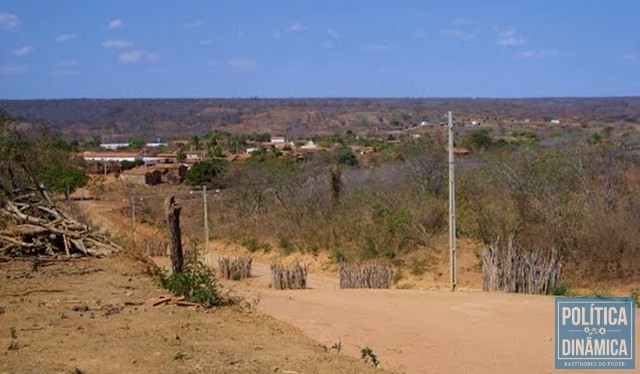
[(31, 225)]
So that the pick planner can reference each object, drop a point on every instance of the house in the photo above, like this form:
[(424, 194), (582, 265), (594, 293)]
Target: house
[(142, 175), (278, 140), (231, 157), (171, 173), (194, 156), (160, 158), (114, 146), (555, 121), (310, 145), (112, 156), (156, 144)]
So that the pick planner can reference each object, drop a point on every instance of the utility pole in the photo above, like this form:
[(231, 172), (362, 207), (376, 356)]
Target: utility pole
[(133, 217), (452, 208), (207, 257)]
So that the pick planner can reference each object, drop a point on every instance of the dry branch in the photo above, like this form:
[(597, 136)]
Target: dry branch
[(508, 267), (289, 277), (366, 276), (234, 268), (34, 227)]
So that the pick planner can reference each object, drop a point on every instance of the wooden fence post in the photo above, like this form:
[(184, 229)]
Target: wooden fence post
[(172, 211)]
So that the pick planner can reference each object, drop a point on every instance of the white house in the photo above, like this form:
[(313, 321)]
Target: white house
[(555, 121), (278, 140), (113, 146), (310, 145), (112, 156)]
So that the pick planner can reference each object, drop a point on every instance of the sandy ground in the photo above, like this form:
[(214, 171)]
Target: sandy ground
[(415, 331), (91, 316), (420, 331)]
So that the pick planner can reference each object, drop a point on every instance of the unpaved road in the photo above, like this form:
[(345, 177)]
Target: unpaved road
[(417, 331)]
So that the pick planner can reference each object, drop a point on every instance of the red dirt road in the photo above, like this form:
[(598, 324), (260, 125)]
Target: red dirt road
[(428, 331)]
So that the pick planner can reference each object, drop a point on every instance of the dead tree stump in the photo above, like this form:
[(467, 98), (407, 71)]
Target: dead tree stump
[(172, 211)]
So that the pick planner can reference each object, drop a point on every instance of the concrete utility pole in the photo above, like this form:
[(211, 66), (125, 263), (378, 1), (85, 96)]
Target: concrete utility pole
[(133, 217), (207, 258), (452, 208)]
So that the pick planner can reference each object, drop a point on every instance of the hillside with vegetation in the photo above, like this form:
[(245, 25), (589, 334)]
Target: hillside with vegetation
[(180, 118)]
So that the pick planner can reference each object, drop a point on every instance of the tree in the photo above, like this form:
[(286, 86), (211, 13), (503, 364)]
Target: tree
[(136, 143), (347, 157), (63, 177), (206, 172), (33, 156), (478, 139)]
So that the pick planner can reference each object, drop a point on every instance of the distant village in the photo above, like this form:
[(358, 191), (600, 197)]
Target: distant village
[(168, 162)]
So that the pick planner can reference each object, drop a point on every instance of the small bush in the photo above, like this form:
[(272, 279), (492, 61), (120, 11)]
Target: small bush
[(369, 357), (562, 289), (197, 282), (287, 246), (253, 245), (598, 291), (338, 256), (636, 295), (419, 267)]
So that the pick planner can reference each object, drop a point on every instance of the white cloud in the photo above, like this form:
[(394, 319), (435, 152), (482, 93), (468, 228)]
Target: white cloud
[(628, 56), (327, 45), (509, 38), (463, 34), (194, 23), (333, 33), (13, 70), (297, 27), (8, 20), (379, 47), (542, 53), (115, 24), (242, 63), (116, 44), (66, 68), (63, 38), (136, 56), (204, 42), (419, 35), (23, 51)]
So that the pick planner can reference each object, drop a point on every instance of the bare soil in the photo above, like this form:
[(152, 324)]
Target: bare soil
[(90, 316), (426, 330)]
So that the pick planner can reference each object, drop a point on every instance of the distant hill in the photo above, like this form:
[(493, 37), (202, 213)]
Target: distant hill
[(179, 118)]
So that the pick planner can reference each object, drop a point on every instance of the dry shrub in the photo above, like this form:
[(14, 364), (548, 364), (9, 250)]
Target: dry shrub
[(507, 266), (289, 277), (234, 268), (366, 276)]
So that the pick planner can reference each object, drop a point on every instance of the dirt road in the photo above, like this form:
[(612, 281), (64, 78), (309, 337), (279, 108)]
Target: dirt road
[(418, 331), (427, 331)]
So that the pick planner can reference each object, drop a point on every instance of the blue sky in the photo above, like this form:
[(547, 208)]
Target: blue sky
[(329, 48)]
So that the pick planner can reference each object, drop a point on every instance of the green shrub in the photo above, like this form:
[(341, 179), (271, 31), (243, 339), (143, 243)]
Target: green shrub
[(287, 246), (636, 295), (598, 291), (197, 282), (419, 267), (338, 256), (562, 288)]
